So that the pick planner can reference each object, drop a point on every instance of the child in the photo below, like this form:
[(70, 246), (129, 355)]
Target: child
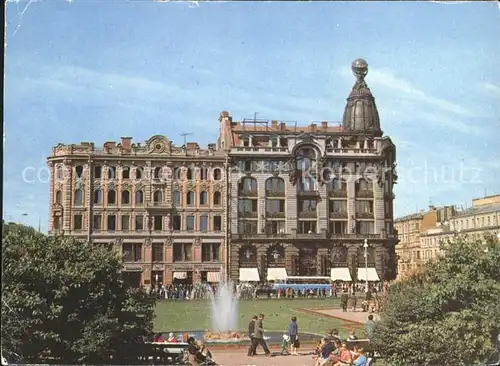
[(284, 344)]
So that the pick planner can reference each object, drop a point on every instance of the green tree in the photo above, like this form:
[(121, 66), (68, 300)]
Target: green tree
[(66, 299), (446, 314)]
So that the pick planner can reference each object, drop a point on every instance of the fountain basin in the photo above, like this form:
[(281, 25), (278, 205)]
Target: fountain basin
[(238, 338)]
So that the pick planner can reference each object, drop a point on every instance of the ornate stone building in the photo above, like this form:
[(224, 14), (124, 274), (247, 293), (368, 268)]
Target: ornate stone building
[(160, 206), (269, 199), (304, 198)]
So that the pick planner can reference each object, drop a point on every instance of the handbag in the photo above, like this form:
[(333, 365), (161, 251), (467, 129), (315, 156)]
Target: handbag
[(296, 344)]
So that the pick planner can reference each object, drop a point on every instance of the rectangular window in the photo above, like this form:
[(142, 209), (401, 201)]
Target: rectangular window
[(275, 227), (126, 172), (97, 222), (364, 207), (338, 227), (139, 222), (339, 206), (111, 222), (157, 252), (203, 223), (210, 252), (132, 252), (217, 223), (365, 227), (77, 222), (307, 205), (307, 227), (183, 252), (176, 223), (125, 221), (98, 172), (247, 227), (190, 223), (247, 208), (158, 223), (57, 223), (275, 206)]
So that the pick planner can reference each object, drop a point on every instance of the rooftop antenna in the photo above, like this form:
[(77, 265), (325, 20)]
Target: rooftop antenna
[(255, 120), (185, 134)]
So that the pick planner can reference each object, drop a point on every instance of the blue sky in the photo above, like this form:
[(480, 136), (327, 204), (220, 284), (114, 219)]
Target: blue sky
[(95, 71)]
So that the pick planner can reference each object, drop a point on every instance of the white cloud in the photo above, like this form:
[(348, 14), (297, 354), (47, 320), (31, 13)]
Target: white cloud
[(492, 88)]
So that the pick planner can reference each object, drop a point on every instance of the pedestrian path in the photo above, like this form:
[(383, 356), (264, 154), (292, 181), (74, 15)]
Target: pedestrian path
[(239, 358), (359, 317)]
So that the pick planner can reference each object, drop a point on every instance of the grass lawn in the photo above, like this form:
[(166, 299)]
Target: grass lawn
[(178, 316)]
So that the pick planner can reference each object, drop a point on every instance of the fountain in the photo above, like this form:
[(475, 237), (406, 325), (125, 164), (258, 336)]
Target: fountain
[(225, 314)]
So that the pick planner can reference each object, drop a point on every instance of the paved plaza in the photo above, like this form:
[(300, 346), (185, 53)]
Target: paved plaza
[(238, 357), (357, 317)]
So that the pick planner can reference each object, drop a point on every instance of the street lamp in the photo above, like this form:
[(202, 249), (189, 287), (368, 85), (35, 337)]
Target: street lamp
[(365, 245)]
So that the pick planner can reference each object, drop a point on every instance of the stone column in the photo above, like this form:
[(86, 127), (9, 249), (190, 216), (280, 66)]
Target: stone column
[(323, 209), (352, 260), (351, 205), (378, 207), (262, 263), (291, 206), (261, 201), (197, 250)]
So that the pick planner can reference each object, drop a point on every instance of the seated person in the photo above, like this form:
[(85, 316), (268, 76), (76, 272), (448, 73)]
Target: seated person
[(324, 357), (158, 338), (345, 357), (171, 338), (319, 346), (352, 335), (361, 359), (195, 350)]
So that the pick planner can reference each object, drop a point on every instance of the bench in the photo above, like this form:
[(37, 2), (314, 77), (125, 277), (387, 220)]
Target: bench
[(165, 352)]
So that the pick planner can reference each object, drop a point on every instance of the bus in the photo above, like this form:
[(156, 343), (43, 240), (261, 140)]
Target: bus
[(303, 283)]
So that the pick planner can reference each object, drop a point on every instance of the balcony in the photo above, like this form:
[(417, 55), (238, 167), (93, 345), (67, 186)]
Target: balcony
[(364, 194), (337, 193), (247, 193), (275, 194), (309, 193), (248, 214), (355, 236), (364, 215), (160, 207), (338, 215), (275, 215), (308, 215)]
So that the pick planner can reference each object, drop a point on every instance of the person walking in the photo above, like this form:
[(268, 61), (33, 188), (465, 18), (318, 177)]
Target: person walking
[(259, 334), (251, 335), (293, 333)]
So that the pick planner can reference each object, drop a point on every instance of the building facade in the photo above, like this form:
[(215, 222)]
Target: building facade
[(160, 206), (269, 199), (304, 198), (421, 234)]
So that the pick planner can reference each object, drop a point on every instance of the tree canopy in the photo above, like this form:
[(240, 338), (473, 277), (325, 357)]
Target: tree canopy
[(66, 299), (448, 313)]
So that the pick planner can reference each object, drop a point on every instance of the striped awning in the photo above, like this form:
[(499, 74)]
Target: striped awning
[(274, 274), (340, 274), (249, 275), (180, 275), (213, 277), (371, 275)]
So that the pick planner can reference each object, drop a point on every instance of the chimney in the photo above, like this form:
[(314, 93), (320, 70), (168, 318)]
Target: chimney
[(312, 127), (191, 146), (126, 144), (324, 125), (274, 124), (282, 126)]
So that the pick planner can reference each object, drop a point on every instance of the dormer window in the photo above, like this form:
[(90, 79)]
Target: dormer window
[(273, 141), (245, 140)]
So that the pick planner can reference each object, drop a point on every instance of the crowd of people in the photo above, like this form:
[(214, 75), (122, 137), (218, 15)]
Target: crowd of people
[(247, 290)]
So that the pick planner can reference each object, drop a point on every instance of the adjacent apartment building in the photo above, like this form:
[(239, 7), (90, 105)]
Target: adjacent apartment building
[(420, 234), (269, 199)]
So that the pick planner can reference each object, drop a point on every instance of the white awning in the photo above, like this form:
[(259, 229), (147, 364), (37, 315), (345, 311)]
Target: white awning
[(180, 275), (340, 274), (213, 277), (274, 274), (371, 275), (249, 275)]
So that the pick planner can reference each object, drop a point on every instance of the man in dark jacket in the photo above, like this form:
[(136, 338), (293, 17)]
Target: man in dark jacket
[(259, 334), (251, 334)]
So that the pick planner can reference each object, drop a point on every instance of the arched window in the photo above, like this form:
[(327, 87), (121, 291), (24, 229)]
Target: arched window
[(158, 173), (176, 173), (97, 196), (176, 198), (307, 184), (78, 197), (158, 197), (138, 173), (247, 187), (111, 172), (362, 185), (79, 171), (217, 174), (126, 197), (190, 198), (275, 187), (111, 197), (139, 197), (306, 160), (203, 198), (189, 174), (58, 198), (217, 198)]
